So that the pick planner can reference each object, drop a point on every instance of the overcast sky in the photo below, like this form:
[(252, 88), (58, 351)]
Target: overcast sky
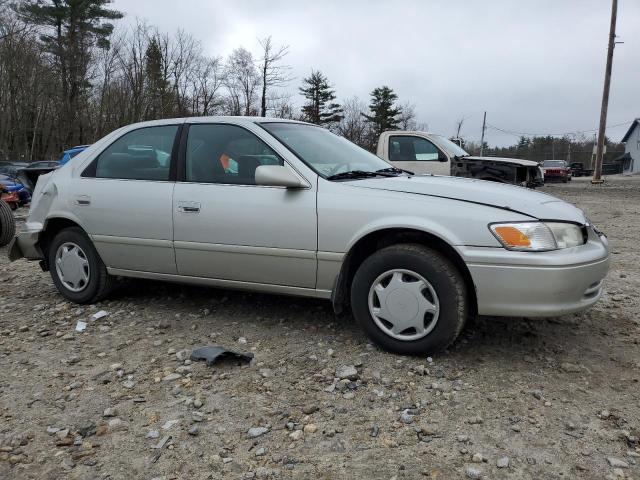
[(535, 66)]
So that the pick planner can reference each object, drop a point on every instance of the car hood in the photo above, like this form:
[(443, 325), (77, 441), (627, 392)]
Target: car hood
[(506, 197), (515, 161)]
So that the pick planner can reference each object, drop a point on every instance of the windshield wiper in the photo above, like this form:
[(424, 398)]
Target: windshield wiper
[(395, 170), (358, 174)]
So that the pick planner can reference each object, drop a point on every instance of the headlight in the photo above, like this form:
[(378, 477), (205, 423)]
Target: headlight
[(537, 236)]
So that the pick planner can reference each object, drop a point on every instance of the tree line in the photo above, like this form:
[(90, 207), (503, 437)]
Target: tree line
[(68, 77), (71, 73)]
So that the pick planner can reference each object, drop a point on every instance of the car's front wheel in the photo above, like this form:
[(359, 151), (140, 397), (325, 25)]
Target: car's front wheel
[(76, 268), (409, 299)]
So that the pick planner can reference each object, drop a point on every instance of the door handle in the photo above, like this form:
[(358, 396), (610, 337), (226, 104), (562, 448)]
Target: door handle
[(83, 200), (189, 207)]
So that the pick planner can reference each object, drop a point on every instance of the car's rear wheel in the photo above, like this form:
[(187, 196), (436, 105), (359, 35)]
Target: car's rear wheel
[(409, 299), (76, 268)]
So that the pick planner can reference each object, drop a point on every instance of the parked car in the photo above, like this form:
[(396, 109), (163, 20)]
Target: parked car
[(556, 170), (13, 185), (11, 168), (428, 153), (45, 164), (72, 152), (577, 170), (306, 212)]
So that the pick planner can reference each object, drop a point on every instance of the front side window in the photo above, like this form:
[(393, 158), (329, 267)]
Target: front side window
[(411, 149), (142, 154), (225, 154)]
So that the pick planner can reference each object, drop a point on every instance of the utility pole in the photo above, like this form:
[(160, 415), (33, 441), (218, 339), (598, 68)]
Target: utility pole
[(484, 126), (597, 171)]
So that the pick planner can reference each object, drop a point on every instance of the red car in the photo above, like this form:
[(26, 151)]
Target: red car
[(556, 170)]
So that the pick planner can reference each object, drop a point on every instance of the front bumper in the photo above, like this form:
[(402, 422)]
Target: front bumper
[(25, 245), (541, 284)]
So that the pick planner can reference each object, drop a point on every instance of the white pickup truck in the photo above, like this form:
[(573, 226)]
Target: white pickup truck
[(422, 152)]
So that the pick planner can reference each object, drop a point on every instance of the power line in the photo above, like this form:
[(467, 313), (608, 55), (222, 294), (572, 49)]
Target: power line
[(525, 134)]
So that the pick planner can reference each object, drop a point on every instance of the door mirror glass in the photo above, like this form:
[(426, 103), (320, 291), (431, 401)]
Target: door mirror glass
[(277, 176)]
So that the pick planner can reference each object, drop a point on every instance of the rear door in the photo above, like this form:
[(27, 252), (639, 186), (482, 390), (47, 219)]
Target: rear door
[(123, 200), (418, 155), (229, 228)]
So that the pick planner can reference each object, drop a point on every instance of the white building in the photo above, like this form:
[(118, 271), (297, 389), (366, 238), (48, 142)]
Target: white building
[(631, 157)]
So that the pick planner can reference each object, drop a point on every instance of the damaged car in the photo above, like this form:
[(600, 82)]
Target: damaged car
[(290, 208)]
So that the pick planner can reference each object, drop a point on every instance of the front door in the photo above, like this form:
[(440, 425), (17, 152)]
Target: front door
[(418, 155), (123, 201), (227, 227)]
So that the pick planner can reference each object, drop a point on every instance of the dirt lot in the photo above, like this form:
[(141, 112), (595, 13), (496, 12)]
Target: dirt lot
[(514, 398)]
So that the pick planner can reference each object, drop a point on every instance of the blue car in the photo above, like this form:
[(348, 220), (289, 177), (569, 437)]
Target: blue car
[(10, 184), (72, 152)]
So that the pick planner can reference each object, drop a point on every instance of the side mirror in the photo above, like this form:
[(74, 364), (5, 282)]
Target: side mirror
[(442, 158), (277, 176)]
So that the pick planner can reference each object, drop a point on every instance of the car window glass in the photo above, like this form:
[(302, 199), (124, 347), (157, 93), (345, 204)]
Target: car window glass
[(411, 149), (142, 154), (225, 154)]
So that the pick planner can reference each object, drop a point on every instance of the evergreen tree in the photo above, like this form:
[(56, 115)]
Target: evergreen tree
[(158, 86), (384, 112), (320, 107), (71, 29)]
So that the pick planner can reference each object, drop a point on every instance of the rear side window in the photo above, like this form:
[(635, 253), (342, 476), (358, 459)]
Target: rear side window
[(143, 154), (412, 149), (225, 154)]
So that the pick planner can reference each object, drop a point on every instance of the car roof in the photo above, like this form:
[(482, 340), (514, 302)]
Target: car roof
[(214, 119)]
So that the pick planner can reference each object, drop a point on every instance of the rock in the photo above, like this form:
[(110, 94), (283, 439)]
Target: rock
[(310, 428), (194, 430), (617, 463), (503, 462), (171, 377), (473, 473), (197, 416), (152, 434), (115, 425), (477, 458), (129, 384), (475, 420), (309, 409), (110, 412), (260, 452), (462, 438), (347, 372), (197, 403), (406, 418), (255, 432), (266, 372), (296, 435), (242, 341), (538, 394), (169, 424), (183, 355)]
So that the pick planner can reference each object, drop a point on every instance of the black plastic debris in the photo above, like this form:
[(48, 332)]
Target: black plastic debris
[(212, 354)]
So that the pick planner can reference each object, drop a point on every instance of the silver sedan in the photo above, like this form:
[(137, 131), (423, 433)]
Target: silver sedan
[(287, 207)]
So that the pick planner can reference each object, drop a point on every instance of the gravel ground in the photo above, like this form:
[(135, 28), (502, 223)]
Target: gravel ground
[(514, 398)]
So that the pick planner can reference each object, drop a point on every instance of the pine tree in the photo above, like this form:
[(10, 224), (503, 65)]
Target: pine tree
[(384, 113), (158, 87), (71, 29), (320, 107)]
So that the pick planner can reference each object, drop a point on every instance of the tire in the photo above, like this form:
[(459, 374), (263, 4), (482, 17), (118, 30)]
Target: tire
[(99, 283), (7, 224), (445, 288)]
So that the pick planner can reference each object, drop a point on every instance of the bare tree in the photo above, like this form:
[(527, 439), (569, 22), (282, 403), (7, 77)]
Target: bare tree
[(353, 125), (242, 80), (273, 74)]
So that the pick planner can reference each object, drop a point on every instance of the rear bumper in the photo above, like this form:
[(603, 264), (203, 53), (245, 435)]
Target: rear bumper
[(545, 284)]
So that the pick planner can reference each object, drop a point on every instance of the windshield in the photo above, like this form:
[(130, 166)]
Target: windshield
[(324, 152), (451, 147), (553, 163)]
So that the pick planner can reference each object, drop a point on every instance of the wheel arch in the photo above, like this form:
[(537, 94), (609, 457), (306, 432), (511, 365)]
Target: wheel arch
[(378, 239), (50, 229)]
